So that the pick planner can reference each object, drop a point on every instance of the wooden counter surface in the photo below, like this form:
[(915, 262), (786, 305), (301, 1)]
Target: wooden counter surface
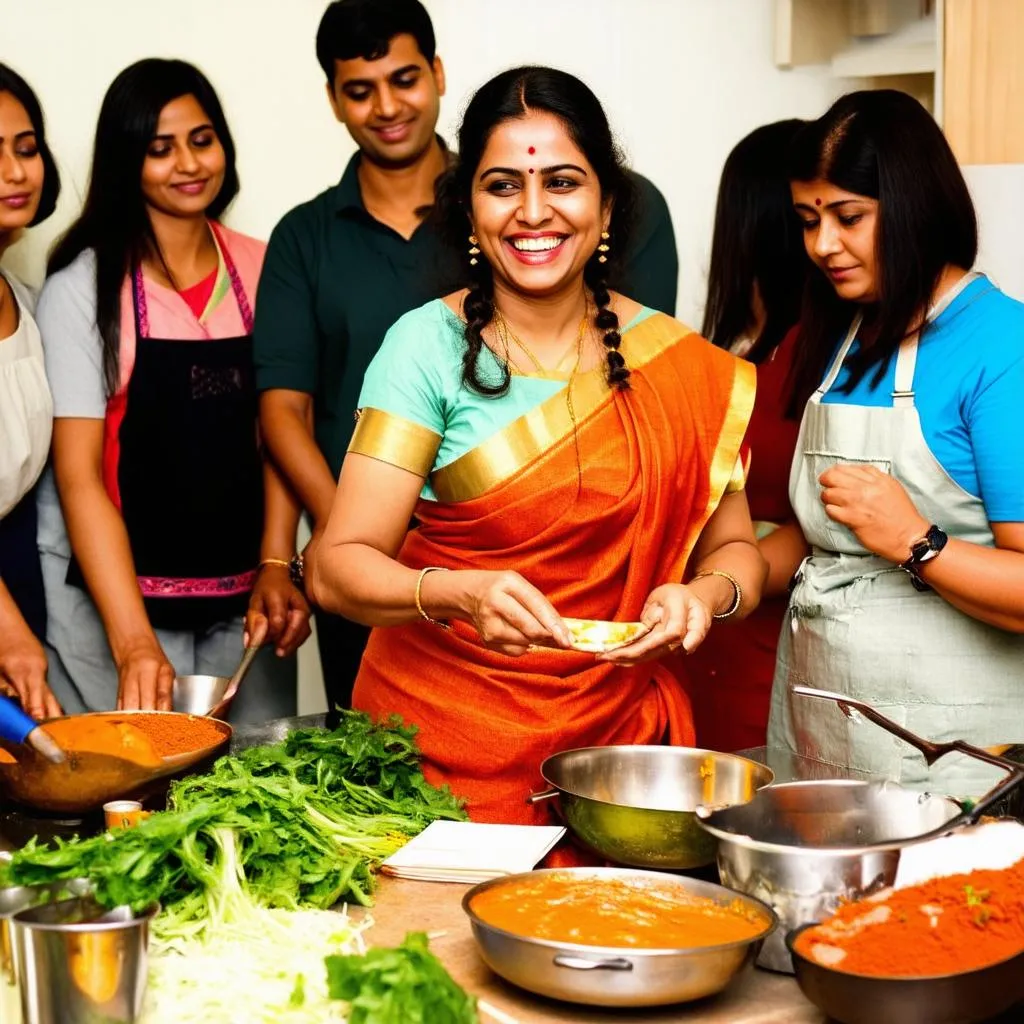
[(756, 997)]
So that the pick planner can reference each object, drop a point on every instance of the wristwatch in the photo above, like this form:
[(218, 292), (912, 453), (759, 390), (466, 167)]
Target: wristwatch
[(923, 550), (297, 571)]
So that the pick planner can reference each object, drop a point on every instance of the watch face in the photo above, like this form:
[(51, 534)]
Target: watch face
[(921, 551)]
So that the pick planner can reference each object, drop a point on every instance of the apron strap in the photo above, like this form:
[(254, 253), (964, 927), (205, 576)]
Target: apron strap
[(906, 362), (837, 363), (244, 308), (906, 357), (140, 307)]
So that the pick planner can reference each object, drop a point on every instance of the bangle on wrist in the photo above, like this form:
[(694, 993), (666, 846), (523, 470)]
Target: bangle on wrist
[(295, 565), (283, 562), (737, 590), (419, 601)]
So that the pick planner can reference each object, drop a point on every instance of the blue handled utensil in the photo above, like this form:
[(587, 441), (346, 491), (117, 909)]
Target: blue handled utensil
[(17, 727)]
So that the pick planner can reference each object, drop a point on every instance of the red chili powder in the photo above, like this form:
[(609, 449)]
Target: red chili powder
[(942, 926), (176, 734)]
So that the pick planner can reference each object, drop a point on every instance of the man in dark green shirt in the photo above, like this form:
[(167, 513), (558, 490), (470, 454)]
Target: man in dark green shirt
[(343, 267)]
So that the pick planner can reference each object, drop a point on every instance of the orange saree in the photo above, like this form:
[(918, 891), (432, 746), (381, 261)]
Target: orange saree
[(595, 517)]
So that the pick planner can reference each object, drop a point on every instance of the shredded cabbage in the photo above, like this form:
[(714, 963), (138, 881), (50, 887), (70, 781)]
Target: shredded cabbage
[(265, 967)]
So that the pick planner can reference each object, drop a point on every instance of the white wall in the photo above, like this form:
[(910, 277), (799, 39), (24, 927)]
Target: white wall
[(682, 80)]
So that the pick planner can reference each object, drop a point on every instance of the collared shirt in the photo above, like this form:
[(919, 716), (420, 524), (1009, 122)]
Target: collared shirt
[(335, 279)]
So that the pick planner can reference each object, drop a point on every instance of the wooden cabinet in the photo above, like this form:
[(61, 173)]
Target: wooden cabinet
[(983, 80), (964, 59)]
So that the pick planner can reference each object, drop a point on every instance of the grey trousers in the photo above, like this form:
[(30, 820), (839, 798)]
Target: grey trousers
[(81, 668)]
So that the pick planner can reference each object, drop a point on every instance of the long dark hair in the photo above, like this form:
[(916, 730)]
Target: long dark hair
[(511, 95), (885, 145), (756, 243), (114, 222), (12, 82)]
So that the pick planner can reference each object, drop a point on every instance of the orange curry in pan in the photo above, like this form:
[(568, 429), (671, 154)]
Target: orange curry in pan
[(618, 912)]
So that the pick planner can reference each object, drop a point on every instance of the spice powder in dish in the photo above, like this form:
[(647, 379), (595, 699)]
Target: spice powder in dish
[(176, 734), (943, 926)]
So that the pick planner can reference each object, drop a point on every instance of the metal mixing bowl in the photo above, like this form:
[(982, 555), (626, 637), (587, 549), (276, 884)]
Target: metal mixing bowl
[(967, 998), (610, 976), (197, 695), (802, 847), (635, 805)]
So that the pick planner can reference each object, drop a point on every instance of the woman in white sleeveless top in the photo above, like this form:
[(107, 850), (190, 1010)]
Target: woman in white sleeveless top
[(28, 193)]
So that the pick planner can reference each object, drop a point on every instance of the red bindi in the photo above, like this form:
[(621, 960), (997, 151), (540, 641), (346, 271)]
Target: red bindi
[(531, 151), (817, 202), (531, 170)]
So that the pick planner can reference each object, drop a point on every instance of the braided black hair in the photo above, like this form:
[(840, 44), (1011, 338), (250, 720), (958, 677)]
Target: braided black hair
[(478, 308), (607, 320), (512, 95)]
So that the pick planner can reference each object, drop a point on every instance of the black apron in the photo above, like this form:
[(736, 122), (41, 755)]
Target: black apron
[(189, 471), (19, 563)]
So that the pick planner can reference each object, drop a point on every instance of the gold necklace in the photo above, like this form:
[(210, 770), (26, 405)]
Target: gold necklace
[(505, 334), (508, 335)]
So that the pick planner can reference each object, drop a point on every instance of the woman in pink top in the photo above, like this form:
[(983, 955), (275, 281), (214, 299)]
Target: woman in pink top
[(180, 531)]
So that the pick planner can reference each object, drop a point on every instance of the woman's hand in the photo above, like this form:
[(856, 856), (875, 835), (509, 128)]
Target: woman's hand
[(679, 619), (278, 612), (145, 678), (23, 670), (510, 614), (875, 507)]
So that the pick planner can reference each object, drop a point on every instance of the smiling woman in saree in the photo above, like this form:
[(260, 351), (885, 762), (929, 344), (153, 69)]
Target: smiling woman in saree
[(562, 447)]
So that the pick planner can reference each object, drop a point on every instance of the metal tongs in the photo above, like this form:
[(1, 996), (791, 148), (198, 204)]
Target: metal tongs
[(932, 752)]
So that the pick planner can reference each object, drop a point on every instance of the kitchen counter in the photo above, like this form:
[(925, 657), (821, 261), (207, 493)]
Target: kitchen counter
[(755, 997)]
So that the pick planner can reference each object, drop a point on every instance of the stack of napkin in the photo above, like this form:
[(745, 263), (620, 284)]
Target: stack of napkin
[(464, 851)]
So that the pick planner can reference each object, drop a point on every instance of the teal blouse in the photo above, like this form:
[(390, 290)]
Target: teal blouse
[(417, 376)]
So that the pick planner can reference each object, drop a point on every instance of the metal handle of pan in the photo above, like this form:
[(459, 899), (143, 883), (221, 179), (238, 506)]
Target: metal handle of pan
[(578, 963), (928, 749), (932, 752), (547, 794)]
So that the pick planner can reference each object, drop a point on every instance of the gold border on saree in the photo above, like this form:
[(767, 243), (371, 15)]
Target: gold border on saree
[(515, 446), (726, 457), (395, 440)]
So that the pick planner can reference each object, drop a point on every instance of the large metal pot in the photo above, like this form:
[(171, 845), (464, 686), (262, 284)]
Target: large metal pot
[(802, 847), (608, 976), (635, 805)]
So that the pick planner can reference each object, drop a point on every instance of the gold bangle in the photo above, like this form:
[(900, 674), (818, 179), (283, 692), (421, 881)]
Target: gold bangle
[(275, 561), (738, 600), (419, 603)]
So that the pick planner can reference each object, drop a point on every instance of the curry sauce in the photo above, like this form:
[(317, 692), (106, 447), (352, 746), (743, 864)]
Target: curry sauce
[(618, 912)]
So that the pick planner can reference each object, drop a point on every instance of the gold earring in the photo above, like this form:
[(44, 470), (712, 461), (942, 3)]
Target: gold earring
[(603, 248), (474, 250)]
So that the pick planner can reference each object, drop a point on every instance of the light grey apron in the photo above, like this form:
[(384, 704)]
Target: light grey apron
[(858, 626)]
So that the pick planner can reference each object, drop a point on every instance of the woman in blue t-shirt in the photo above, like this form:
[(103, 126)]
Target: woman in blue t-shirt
[(907, 477)]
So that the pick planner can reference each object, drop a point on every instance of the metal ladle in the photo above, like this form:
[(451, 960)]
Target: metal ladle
[(932, 752)]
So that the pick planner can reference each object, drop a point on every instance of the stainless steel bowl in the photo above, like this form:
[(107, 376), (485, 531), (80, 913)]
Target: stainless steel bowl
[(967, 998), (609, 976), (197, 695), (802, 847), (635, 805)]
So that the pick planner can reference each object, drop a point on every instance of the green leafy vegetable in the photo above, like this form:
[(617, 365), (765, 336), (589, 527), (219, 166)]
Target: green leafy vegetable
[(299, 823), (406, 985)]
